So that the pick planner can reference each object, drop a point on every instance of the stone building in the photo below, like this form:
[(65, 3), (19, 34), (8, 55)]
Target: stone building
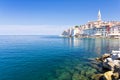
[(97, 28)]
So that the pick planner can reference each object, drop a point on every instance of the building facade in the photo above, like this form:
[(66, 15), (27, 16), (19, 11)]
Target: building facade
[(97, 28)]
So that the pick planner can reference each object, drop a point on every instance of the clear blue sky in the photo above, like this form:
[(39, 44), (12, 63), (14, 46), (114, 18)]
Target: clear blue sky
[(58, 13)]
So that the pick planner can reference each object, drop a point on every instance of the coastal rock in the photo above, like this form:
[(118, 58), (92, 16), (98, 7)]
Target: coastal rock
[(65, 76), (98, 66), (89, 73), (110, 64), (98, 59), (108, 59), (116, 76), (106, 56), (117, 63), (94, 62), (108, 75), (97, 77), (103, 57), (77, 76)]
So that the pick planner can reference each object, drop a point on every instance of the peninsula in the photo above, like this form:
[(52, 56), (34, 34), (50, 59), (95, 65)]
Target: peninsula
[(98, 28)]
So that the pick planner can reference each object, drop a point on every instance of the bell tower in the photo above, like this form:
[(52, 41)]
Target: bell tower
[(99, 16)]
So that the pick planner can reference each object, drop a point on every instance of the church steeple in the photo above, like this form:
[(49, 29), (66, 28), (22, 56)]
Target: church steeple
[(99, 16)]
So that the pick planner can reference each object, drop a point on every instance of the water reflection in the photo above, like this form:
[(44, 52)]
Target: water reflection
[(96, 45), (72, 42)]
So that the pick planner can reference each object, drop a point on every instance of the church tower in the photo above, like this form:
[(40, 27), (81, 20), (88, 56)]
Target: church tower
[(99, 16)]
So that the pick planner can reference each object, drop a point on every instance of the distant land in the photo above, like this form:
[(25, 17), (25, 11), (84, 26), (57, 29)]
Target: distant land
[(98, 28)]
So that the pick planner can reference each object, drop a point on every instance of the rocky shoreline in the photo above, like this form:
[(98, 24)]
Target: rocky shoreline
[(108, 66)]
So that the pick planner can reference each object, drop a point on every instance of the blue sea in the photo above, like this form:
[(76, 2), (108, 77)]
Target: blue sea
[(51, 57)]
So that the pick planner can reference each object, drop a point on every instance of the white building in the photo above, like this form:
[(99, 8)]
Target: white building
[(97, 28), (115, 31)]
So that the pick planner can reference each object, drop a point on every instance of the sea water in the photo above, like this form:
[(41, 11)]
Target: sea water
[(51, 57)]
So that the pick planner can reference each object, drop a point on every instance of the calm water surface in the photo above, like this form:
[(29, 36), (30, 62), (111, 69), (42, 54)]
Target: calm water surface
[(50, 57)]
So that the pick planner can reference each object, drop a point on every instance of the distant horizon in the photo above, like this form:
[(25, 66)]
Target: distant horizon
[(32, 29), (57, 15)]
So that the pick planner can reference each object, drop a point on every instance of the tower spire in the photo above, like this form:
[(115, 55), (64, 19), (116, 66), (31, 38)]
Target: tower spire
[(99, 16)]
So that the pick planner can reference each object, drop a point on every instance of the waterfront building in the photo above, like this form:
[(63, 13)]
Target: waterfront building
[(115, 31), (65, 33), (98, 28), (76, 31)]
